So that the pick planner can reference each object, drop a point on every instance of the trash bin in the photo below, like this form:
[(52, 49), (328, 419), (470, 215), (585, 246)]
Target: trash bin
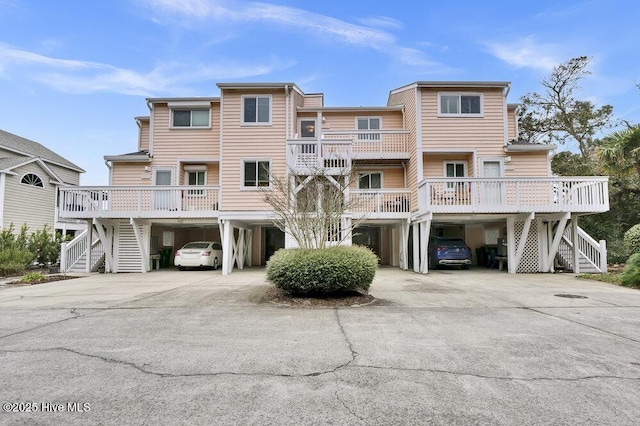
[(165, 257)]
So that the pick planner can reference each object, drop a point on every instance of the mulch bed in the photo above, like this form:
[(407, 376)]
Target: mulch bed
[(47, 279), (280, 297)]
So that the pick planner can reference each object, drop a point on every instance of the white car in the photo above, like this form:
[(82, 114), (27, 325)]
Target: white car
[(199, 254)]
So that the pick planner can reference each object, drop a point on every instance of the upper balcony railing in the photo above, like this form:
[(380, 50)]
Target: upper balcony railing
[(310, 157), (514, 195), (138, 201), (381, 203), (373, 143)]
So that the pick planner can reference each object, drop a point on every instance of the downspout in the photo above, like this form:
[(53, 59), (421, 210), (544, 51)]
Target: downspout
[(106, 163), (151, 129), (506, 114)]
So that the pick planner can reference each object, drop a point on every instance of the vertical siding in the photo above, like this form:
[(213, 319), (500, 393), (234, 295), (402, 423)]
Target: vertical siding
[(250, 142), (407, 98), (29, 204), (143, 134)]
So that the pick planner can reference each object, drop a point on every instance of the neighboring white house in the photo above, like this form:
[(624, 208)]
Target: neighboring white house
[(30, 175)]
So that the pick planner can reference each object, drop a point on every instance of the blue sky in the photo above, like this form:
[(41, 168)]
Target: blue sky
[(74, 73)]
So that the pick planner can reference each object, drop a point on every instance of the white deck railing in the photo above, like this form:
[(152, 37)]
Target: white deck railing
[(513, 195), (381, 203), (73, 251), (593, 252), (309, 157), (139, 201), (374, 142)]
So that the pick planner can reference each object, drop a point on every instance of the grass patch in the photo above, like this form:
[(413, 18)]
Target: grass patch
[(607, 277)]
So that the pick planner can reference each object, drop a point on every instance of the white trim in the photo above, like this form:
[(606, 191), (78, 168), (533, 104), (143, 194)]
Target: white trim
[(369, 173), (221, 150), (464, 163), (151, 128), (460, 114), (190, 126), (256, 160), (418, 142), (3, 182), (195, 104), (194, 167), (36, 175), (299, 128), (155, 170), (449, 150), (257, 96), (483, 160)]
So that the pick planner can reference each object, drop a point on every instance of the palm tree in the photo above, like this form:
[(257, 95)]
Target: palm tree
[(620, 154)]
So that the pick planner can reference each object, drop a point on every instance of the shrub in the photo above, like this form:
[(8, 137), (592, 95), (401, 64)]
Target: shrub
[(632, 240), (13, 260), (33, 277), (631, 275), (322, 271)]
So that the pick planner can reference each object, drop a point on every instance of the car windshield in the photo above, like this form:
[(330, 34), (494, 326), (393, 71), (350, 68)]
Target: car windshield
[(196, 246)]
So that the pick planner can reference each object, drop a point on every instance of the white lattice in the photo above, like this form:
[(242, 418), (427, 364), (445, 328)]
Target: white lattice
[(530, 261)]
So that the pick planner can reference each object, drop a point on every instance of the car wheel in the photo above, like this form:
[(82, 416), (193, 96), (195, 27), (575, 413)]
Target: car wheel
[(181, 268), (215, 263)]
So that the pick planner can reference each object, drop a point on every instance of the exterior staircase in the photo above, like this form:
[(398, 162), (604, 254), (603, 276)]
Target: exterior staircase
[(74, 256), (592, 253)]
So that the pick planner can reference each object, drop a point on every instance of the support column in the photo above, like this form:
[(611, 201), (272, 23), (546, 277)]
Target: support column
[(106, 238), (511, 245), (89, 247), (141, 244), (226, 230), (404, 246), (574, 238), (416, 247)]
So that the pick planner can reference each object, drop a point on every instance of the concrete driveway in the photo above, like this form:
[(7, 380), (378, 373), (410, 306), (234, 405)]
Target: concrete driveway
[(461, 347)]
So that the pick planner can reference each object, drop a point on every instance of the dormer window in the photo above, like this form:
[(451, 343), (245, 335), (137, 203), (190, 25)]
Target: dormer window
[(190, 118), (32, 180), (460, 105)]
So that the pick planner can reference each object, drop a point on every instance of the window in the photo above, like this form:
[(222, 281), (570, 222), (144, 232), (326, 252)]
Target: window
[(256, 109), (368, 123), (32, 179), (196, 178), (451, 104), (256, 173), (454, 169), (308, 128), (370, 180), (190, 118)]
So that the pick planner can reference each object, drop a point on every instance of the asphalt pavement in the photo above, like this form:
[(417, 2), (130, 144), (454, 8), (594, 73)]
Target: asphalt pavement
[(196, 347)]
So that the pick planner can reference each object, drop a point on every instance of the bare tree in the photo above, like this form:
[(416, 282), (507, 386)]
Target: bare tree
[(315, 209), (555, 115)]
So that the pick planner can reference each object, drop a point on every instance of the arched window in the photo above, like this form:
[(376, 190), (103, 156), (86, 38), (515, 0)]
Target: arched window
[(32, 179)]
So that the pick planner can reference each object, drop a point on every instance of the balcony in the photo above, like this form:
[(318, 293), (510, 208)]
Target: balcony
[(381, 203), (373, 144), (514, 195), (139, 202), (334, 152)]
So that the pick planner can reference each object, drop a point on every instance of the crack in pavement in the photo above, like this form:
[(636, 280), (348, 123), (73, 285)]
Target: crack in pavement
[(144, 369), (354, 355), (611, 333), (73, 311)]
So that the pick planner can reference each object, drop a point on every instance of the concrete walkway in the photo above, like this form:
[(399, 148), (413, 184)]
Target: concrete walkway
[(196, 347)]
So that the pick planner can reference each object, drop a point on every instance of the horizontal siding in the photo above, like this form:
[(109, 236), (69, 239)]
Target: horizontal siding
[(313, 101), (130, 174), (392, 178), (408, 98), (213, 175), (172, 144), (143, 135), (29, 204), (250, 142), (433, 164), (391, 120), (511, 122), (528, 164), (483, 134), (70, 177)]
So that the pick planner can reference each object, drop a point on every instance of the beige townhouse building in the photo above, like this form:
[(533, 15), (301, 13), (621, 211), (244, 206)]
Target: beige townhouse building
[(441, 158)]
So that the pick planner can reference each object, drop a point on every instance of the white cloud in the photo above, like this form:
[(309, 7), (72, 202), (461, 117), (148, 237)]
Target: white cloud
[(320, 26), (77, 76), (527, 53)]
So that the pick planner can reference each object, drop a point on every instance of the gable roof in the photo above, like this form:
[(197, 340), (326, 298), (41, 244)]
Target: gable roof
[(27, 147), (7, 165)]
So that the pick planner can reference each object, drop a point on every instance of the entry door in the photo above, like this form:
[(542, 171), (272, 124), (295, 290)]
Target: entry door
[(163, 200), (492, 192)]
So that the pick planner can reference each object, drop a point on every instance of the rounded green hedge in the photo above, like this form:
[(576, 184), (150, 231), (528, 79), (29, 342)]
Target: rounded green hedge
[(632, 240), (631, 275), (322, 271)]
